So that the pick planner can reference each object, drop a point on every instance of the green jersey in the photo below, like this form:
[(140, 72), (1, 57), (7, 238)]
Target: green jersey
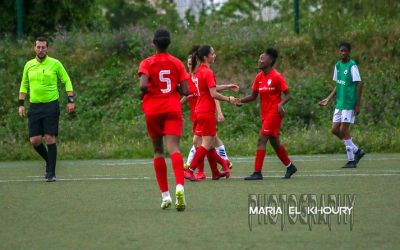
[(41, 79), (346, 76)]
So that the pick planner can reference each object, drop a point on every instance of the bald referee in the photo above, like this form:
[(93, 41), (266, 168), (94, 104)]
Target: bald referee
[(40, 77)]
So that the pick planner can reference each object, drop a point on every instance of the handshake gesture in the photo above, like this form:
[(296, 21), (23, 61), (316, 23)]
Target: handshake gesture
[(235, 101)]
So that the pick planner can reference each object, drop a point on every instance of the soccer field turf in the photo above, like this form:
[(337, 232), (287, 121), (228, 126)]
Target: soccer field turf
[(115, 204)]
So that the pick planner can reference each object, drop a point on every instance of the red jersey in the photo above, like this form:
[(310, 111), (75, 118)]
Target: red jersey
[(270, 88), (192, 98), (165, 72), (204, 80)]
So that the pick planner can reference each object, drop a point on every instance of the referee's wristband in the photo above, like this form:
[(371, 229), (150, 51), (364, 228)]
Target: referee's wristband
[(70, 99), (21, 102)]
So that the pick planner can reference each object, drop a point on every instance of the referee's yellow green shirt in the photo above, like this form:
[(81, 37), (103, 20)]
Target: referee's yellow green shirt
[(41, 79)]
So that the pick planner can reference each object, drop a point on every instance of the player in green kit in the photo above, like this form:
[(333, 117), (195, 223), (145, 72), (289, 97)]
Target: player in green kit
[(348, 93)]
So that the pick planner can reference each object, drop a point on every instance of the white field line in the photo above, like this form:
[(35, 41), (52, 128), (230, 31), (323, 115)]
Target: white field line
[(266, 172), (130, 162), (232, 177), (268, 159)]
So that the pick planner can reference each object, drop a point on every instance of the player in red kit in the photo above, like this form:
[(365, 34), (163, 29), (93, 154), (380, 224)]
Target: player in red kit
[(162, 78), (192, 101), (270, 84), (206, 124)]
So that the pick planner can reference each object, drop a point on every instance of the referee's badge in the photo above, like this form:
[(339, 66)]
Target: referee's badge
[(345, 72)]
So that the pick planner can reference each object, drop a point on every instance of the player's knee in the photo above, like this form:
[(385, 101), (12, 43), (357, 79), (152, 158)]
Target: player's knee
[(336, 131), (50, 139), (262, 141), (35, 141), (344, 132)]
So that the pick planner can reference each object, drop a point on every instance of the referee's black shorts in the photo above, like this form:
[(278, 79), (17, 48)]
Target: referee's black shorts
[(43, 118)]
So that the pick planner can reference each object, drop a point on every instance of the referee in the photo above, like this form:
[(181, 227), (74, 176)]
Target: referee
[(41, 76)]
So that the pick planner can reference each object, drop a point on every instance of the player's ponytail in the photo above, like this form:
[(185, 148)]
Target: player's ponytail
[(195, 57)]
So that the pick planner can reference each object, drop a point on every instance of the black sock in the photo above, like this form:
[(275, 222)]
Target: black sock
[(42, 151), (52, 156)]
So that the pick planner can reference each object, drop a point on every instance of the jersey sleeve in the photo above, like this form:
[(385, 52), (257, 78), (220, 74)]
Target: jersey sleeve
[(183, 75), (334, 74), (143, 68), (210, 79), (255, 85), (355, 74), (64, 78), (25, 81), (282, 83)]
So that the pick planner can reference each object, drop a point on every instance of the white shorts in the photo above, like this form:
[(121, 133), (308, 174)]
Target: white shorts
[(344, 116)]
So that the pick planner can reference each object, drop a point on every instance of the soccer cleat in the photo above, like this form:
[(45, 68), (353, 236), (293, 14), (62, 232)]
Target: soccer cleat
[(186, 166), (51, 178), (254, 176), (226, 170), (290, 171), (358, 155), (166, 203), (217, 176), (350, 164), (180, 203), (200, 176), (230, 165), (188, 174), (46, 174)]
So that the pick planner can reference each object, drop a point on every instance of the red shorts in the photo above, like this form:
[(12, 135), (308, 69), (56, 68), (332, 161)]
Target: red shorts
[(206, 124), (164, 124), (271, 126), (194, 122)]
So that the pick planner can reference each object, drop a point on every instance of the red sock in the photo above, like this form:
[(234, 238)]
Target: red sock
[(258, 164), (217, 157), (177, 165), (200, 168), (283, 156), (213, 162), (161, 173), (198, 157)]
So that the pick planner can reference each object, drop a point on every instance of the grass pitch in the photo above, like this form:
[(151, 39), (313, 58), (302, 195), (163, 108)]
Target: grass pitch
[(115, 204)]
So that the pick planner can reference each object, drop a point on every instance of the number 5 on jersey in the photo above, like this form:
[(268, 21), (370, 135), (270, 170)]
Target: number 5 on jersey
[(163, 78)]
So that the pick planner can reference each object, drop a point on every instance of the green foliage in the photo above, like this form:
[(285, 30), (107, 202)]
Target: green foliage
[(44, 17), (109, 122)]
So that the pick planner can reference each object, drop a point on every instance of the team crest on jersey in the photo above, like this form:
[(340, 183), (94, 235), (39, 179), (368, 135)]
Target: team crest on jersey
[(345, 72), (269, 82)]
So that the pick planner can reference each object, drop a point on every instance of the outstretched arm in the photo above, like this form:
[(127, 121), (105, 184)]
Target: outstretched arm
[(218, 96), (250, 97), (325, 101), (232, 87)]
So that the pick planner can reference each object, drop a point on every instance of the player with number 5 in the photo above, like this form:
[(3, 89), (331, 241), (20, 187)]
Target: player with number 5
[(162, 78)]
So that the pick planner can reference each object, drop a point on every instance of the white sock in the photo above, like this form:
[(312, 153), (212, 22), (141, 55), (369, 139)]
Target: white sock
[(350, 153), (191, 155), (350, 143), (222, 152), (165, 196), (179, 187)]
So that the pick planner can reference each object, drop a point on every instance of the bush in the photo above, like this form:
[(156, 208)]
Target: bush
[(109, 123)]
